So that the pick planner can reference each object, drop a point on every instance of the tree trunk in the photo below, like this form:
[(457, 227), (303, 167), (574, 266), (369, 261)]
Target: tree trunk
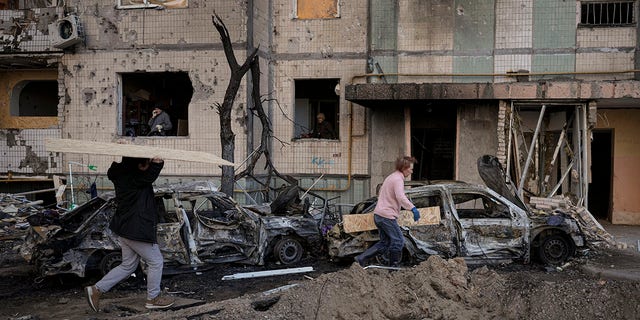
[(227, 137)]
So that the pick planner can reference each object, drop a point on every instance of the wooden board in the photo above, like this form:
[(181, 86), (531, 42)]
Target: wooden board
[(131, 150), (364, 222)]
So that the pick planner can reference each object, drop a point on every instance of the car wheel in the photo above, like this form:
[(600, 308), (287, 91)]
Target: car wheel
[(554, 250), (110, 261), (288, 250)]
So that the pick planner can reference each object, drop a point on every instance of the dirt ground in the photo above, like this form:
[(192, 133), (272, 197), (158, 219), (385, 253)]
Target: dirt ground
[(435, 289)]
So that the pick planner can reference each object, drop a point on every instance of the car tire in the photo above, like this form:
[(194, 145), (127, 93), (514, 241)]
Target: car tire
[(110, 261), (554, 250), (288, 250)]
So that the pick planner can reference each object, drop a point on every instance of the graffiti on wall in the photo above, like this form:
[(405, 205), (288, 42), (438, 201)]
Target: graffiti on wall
[(322, 162)]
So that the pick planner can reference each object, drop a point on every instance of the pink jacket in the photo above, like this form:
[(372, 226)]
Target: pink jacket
[(392, 197)]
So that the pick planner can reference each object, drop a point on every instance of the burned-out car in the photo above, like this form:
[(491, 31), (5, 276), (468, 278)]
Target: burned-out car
[(198, 227), (481, 224)]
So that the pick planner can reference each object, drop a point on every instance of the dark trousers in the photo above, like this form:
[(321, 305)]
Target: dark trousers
[(391, 239)]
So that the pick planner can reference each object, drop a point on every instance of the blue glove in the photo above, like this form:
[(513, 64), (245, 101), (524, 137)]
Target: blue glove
[(416, 214)]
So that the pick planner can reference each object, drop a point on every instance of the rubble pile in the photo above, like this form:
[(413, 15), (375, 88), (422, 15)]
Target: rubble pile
[(435, 289), (14, 210), (592, 229)]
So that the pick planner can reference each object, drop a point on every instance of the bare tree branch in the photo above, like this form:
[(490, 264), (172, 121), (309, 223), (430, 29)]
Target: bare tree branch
[(227, 137)]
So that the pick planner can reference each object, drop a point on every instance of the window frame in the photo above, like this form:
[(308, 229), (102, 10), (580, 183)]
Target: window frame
[(632, 11), (315, 106), (506, 213), (145, 106)]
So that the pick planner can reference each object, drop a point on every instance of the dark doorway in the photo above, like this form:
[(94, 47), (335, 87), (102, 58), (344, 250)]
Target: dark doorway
[(601, 171), (433, 140)]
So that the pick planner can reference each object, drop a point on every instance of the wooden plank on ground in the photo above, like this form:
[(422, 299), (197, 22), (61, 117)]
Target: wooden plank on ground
[(364, 222), (131, 150)]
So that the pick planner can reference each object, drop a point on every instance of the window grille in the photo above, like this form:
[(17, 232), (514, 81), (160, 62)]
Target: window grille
[(613, 13)]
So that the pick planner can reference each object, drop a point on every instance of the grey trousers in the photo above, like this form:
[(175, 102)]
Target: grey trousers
[(132, 251)]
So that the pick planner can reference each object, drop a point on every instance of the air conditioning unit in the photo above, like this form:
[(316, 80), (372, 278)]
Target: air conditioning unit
[(65, 32)]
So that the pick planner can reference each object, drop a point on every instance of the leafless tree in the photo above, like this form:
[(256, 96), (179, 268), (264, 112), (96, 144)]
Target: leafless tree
[(227, 137)]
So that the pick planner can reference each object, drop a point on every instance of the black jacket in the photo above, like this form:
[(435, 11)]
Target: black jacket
[(136, 215)]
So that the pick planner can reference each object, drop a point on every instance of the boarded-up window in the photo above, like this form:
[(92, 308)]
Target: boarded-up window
[(171, 4), (316, 9)]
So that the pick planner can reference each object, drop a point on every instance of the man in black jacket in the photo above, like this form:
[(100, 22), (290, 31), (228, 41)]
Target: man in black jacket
[(135, 223)]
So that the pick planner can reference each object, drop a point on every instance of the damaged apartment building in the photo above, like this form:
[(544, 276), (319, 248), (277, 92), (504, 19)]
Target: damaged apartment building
[(549, 87)]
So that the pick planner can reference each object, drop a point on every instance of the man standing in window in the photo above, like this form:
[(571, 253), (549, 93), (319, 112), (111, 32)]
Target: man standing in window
[(323, 129), (160, 123)]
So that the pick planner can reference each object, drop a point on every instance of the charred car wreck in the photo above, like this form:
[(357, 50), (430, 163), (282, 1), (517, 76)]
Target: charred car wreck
[(483, 225), (198, 227)]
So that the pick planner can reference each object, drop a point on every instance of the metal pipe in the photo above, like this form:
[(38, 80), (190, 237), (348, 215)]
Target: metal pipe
[(313, 184), (564, 176), (529, 155), (35, 192), (511, 74), (508, 168), (585, 158), (73, 198), (576, 188)]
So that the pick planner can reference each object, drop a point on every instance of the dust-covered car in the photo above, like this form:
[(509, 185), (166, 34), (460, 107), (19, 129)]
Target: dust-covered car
[(481, 224), (198, 227)]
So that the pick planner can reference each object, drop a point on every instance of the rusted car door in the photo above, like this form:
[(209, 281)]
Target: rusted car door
[(493, 229)]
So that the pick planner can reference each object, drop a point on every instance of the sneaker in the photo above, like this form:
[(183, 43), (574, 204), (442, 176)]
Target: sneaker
[(160, 302), (93, 297)]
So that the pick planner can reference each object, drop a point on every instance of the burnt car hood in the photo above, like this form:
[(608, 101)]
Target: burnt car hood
[(494, 178)]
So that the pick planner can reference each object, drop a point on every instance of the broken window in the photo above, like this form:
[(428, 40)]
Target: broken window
[(477, 206), (163, 94), (426, 201), (35, 98), (609, 13), (316, 9), (317, 109), (26, 4), (142, 4)]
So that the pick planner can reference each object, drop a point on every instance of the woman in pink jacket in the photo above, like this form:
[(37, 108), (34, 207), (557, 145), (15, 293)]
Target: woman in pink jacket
[(390, 200)]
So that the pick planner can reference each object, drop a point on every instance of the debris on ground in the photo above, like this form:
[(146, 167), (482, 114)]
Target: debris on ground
[(593, 231), (14, 210)]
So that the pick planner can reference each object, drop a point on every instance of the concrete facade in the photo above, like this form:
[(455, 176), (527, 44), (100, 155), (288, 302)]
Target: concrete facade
[(434, 79)]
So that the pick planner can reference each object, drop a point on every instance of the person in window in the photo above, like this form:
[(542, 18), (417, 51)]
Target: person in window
[(390, 200), (160, 123), (323, 129)]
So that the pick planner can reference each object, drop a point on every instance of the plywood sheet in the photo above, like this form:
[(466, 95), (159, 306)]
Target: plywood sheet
[(364, 222), (131, 150)]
